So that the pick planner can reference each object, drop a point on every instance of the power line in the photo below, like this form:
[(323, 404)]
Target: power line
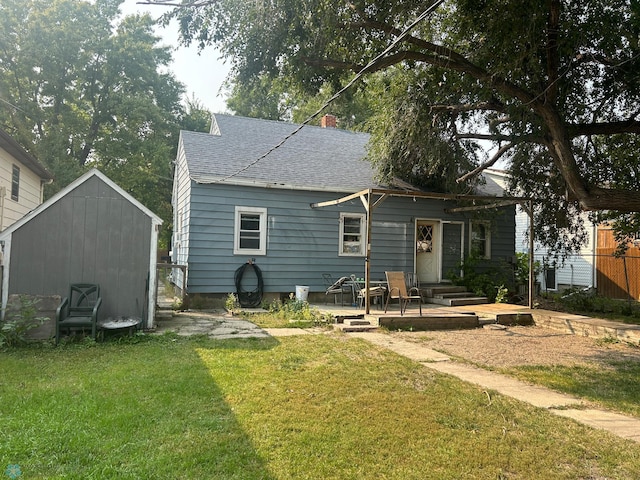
[(13, 106), (357, 77)]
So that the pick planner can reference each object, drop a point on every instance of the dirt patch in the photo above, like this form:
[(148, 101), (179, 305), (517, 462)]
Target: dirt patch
[(514, 346)]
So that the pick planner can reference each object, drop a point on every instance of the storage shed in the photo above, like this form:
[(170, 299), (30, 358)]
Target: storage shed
[(92, 231)]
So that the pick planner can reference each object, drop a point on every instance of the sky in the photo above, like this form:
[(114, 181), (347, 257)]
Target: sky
[(203, 74)]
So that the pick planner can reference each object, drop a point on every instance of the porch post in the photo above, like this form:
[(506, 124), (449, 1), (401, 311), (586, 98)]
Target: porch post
[(531, 248), (367, 259)]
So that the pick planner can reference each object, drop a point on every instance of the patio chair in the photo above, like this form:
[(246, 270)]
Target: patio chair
[(374, 292), (338, 287), (398, 290), (79, 310)]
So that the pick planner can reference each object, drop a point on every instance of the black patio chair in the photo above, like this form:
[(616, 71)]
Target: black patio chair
[(79, 310)]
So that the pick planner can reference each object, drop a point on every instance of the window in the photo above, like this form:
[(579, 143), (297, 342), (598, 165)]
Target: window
[(550, 278), (352, 234), (250, 231), (550, 275), (15, 183), (480, 239)]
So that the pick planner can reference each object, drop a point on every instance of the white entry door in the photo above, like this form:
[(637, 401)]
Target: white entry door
[(428, 251)]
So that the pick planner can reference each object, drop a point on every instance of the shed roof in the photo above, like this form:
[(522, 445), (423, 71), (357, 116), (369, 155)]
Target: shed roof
[(314, 158), (80, 180), (16, 151)]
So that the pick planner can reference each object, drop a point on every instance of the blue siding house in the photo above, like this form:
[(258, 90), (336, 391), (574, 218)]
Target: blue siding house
[(297, 205)]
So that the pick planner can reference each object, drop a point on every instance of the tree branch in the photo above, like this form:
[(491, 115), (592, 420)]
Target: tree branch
[(605, 128), (489, 163), (500, 138), (553, 60), (469, 107), (168, 3)]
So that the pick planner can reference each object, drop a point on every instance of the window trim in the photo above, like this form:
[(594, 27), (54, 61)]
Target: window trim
[(15, 183), (487, 239), (262, 212), (363, 235)]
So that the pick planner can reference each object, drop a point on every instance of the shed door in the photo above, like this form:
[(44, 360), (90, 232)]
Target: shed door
[(428, 251)]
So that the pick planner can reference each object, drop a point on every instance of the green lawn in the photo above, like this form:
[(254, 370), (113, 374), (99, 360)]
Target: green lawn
[(304, 407)]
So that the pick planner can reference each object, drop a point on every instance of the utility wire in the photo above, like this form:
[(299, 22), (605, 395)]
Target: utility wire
[(357, 77), (13, 106)]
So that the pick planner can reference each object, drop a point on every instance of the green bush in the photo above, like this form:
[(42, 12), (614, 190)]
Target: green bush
[(588, 301), (13, 331), (521, 272), (484, 278)]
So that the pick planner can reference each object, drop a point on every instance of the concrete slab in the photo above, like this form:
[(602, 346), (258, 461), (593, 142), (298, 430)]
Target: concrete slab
[(287, 332), (212, 324), (620, 425), (536, 396)]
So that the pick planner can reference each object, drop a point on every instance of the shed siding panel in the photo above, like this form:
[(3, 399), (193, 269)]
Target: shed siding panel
[(302, 242), (92, 234)]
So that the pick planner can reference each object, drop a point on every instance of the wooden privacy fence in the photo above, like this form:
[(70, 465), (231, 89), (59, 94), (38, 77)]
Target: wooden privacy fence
[(618, 277)]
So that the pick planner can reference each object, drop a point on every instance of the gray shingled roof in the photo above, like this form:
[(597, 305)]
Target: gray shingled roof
[(314, 159)]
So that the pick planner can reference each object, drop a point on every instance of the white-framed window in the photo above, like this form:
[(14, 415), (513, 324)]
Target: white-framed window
[(480, 239), (352, 234), (250, 236)]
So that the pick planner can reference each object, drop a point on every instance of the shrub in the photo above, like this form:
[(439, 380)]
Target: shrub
[(485, 280), (13, 331)]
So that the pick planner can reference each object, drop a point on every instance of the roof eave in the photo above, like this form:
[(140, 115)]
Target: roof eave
[(271, 185), (20, 154)]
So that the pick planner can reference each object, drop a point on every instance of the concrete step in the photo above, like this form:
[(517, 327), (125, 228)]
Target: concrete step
[(506, 319), (436, 321), (352, 322), (356, 324), (464, 294), (441, 289), (458, 302)]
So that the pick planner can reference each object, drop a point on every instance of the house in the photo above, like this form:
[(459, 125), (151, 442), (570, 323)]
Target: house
[(296, 204), (576, 271), (92, 231), (22, 180)]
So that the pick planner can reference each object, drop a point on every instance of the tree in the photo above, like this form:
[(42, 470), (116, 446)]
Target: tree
[(82, 87), (550, 88)]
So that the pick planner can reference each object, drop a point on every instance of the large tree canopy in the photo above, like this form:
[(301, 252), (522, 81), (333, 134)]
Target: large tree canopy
[(551, 88), (82, 87)]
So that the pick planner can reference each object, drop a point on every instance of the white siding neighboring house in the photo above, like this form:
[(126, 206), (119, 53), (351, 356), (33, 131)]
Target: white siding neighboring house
[(22, 180), (577, 271)]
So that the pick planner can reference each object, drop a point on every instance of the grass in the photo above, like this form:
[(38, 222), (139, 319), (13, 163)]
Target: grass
[(614, 386), (302, 407), (289, 314)]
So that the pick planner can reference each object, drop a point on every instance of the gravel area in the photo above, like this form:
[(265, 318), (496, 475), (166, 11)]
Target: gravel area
[(497, 346)]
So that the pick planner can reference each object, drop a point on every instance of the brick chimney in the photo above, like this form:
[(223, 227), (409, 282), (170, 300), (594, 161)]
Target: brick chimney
[(328, 121)]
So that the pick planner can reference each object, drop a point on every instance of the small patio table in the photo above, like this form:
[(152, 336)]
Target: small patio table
[(120, 324)]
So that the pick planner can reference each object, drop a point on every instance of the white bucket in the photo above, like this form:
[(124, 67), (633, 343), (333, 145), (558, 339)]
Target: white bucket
[(302, 292)]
